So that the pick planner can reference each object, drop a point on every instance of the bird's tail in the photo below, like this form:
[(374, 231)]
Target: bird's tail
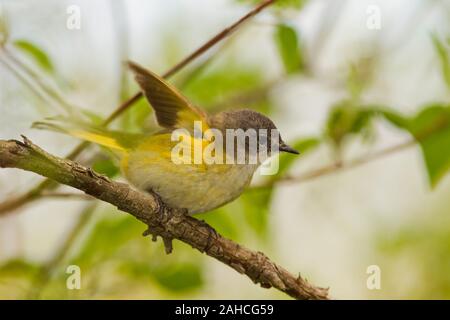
[(114, 140)]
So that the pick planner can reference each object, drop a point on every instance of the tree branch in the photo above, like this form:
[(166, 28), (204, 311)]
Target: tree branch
[(161, 220), (15, 203), (337, 166)]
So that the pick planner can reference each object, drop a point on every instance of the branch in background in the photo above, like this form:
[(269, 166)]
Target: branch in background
[(23, 79), (337, 166), (43, 86), (15, 203), (248, 97), (161, 220)]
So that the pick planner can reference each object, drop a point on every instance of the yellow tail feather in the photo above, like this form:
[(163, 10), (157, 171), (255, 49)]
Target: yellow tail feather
[(115, 140)]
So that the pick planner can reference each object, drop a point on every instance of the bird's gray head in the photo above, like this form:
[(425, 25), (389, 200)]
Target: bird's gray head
[(246, 119)]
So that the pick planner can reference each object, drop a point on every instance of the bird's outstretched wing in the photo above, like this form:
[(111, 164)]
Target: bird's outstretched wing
[(171, 108)]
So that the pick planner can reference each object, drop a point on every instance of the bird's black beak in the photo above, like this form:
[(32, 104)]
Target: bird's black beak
[(285, 148)]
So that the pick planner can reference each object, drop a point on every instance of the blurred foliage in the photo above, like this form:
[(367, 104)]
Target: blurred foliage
[(4, 34), (303, 146), (115, 239), (347, 119), (281, 4), (106, 166), (289, 48), (359, 76), (431, 128), (106, 237), (254, 205), (221, 82), (18, 268), (417, 257), (38, 55), (173, 276), (443, 53), (137, 119), (15, 278), (112, 249)]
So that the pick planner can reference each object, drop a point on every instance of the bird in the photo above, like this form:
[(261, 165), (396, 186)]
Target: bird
[(146, 160)]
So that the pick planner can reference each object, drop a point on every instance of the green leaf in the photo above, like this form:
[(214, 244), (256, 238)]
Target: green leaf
[(247, 213), (443, 54), (222, 220), (431, 129), (18, 267), (295, 4), (359, 75), (346, 119), (106, 167), (394, 118), (107, 237), (37, 54), (222, 82), (176, 273), (180, 276), (255, 207), (288, 47)]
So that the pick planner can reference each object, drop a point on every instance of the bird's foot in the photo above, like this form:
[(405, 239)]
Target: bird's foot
[(167, 241), (163, 215)]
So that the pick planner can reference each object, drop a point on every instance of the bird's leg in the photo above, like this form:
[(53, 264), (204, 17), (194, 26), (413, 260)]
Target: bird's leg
[(163, 213)]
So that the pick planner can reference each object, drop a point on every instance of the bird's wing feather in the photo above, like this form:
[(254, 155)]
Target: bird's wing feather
[(171, 108)]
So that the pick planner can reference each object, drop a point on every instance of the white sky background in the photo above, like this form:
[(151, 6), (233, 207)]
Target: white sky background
[(331, 219)]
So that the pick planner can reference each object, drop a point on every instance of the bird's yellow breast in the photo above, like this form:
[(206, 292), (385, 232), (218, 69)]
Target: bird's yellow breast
[(195, 187)]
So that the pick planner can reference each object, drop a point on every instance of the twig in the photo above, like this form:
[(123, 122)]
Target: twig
[(248, 97), (337, 166), (15, 203), (23, 79), (43, 86), (420, 136), (168, 223)]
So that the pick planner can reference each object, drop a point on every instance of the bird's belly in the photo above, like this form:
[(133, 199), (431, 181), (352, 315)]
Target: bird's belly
[(197, 188)]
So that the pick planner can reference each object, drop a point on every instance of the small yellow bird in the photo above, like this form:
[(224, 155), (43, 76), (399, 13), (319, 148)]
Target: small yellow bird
[(146, 160)]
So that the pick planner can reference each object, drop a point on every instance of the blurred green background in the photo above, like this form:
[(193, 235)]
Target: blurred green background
[(339, 87)]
